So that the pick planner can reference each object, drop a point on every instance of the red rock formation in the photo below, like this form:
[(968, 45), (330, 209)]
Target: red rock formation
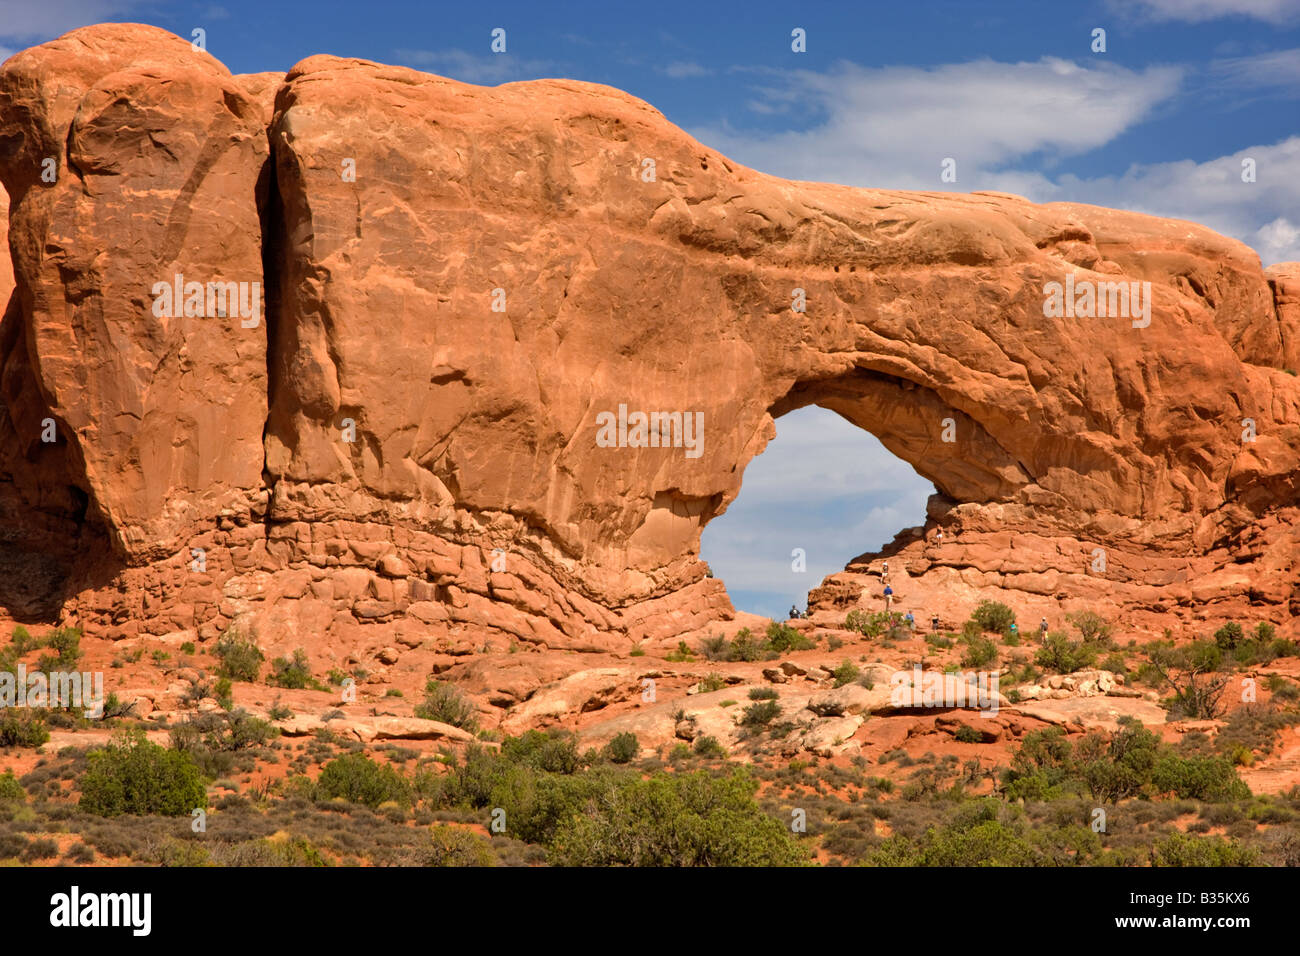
[(389, 448)]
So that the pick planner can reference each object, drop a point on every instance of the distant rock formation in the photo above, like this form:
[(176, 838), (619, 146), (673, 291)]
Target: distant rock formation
[(456, 303)]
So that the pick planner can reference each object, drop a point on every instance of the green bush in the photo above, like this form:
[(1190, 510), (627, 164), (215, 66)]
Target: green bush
[(967, 734), (782, 638), (1264, 631), (707, 746), (1228, 636), (445, 703), (553, 751), (846, 673), (1184, 849), (980, 651), (11, 791), (760, 714), (762, 693), (993, 616), (623, 748), (241, 658), (674, 820), (872, 623), (66, 644), (1064, 656), (358, 779), (1212, 779), (293, 673), (456, 846), (132, 775), (1092, 627), (19, 728)]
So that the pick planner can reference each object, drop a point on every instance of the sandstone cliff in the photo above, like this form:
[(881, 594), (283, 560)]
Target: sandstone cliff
[(457, 282)]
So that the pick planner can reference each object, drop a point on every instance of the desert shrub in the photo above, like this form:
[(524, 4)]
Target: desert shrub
[(707, 746), (1228, 636), (293, 851), (1184, 849), (1264, 631), (445, 703), (623, 748), (675, 820), (980, 651), (20, 728), (1116, 663), (1092, 627), (132, 775), (993, 616), (11, 791), (782, 638), (711, 682), (967, 734), (39, 849), (872, 623), (553, 751), (1117, 766), (358, 779), (846, 673), (760, 714), (1212, 779), (241, 658), (714, 648), (745, 647), (22, 640), (65, 642), (293, 673), (762, 693), (1064, 656), (456, 846)]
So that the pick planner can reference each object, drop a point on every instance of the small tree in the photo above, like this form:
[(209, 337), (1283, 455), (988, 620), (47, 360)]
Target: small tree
[(1197, 694), (1228, 636)]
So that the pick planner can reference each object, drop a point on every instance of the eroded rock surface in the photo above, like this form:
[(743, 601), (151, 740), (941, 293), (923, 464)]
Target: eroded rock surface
[(460, 282)]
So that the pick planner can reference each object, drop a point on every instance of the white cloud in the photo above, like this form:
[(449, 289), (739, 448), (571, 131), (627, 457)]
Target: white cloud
[(29, 22), (1275, 69), (684, 71), (1006, 124), (890, 127), (1198, 11), (1262, 214), (483, 69)]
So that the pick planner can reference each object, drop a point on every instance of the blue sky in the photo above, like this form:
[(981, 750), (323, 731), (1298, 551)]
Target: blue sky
[(1158, 123)]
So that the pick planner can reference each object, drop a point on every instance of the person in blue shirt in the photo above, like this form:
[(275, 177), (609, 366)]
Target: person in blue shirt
[(910, 621), (889, 597)]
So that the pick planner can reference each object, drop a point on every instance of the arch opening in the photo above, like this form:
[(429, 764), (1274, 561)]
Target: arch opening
[(824, 491)]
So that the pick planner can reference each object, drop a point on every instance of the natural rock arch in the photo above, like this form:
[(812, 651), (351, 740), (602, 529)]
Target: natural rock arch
[(476, 429)]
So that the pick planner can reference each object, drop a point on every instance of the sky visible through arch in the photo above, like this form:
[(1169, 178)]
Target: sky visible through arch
[(1160, 122), (822, 485)]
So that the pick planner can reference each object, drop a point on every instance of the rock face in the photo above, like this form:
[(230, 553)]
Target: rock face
[(470, 296)]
